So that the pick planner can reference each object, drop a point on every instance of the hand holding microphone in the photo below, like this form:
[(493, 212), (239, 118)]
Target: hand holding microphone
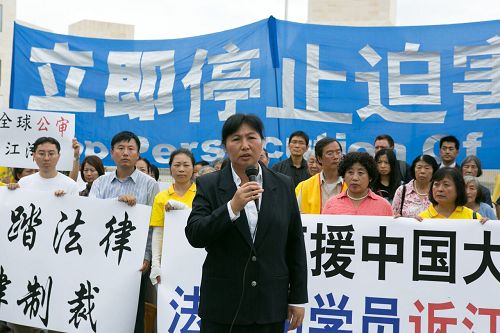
[(247, 192)]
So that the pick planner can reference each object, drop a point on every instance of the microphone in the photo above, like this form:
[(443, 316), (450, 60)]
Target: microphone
[(252, 172)]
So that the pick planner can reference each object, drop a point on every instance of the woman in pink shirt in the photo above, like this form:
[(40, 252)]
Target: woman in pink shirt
[(358, 170)]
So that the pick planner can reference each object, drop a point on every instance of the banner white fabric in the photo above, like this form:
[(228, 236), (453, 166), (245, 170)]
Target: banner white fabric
[(367, 275), (70, 264), (19, 130)]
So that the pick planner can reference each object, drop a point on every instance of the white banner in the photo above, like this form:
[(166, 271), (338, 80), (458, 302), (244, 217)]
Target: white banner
[(367, 275), (70, 264), (19, 130)]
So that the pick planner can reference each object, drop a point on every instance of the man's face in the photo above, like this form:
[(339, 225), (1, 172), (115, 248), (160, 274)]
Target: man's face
[(297, 146), (448, 152), (46, 156), (382, 144), (125, 153), (331, 157)]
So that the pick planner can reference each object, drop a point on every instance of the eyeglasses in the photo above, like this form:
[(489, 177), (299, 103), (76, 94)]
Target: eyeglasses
[(43, 154), (332, 153)]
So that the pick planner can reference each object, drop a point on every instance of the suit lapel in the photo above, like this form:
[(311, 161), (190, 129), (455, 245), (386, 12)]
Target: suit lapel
[(227, 189), (266, 207)]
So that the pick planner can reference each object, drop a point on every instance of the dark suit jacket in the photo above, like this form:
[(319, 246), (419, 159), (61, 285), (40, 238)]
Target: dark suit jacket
[(277, 271)]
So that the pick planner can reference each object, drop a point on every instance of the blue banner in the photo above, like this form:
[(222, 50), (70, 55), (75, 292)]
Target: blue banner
[(415, 83)]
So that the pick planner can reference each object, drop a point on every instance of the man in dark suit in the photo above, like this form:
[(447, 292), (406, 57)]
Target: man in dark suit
[(448, 151), (255, 273)]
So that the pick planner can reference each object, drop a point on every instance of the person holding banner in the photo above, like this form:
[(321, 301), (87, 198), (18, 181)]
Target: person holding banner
[(358, 170), (179, 195), (129, 185), (46, 153), (247, 219), (448, 197)]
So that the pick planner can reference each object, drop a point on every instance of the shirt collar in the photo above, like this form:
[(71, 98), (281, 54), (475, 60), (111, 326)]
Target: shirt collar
[(370, 195), (237, 179), (433, 212), (452, 165), (303, 163), (323, 179), (191, 188), (133, 176)]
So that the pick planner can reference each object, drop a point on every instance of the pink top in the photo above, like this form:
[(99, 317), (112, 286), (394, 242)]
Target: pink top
[(372, 205), (413, 204)]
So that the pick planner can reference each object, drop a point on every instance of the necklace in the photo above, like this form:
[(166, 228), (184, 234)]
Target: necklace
[(420, 194), (357, 199)]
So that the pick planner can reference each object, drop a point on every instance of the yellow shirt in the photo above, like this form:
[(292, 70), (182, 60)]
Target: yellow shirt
[(460, 212), (158, 211), (3, 184)]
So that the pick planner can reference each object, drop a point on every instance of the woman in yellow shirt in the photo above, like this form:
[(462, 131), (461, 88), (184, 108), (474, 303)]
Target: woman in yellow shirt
[(448, 197), (179, 195)]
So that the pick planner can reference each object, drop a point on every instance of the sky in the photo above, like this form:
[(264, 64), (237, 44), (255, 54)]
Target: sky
[(165, 19)]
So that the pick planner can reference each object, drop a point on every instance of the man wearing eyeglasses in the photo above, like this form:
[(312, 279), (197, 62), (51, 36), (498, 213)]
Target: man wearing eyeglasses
[(313, 193), (295, 166), (46, 153)]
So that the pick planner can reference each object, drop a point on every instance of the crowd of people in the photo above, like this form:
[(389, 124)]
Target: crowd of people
[(326, 181)]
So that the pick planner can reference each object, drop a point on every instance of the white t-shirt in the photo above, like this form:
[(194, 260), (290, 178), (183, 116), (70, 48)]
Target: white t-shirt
[(60, 182)]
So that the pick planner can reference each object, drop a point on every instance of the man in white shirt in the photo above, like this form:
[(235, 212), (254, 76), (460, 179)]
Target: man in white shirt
[(46, 153)]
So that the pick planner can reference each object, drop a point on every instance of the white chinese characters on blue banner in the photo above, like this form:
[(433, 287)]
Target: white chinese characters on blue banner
[(414, 83)]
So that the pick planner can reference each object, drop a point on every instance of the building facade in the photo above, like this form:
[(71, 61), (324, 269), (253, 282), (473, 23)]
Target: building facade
[(100, 29), (352, 12)]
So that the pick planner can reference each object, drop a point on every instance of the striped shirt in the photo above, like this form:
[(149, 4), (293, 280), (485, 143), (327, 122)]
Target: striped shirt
[(143, 187)]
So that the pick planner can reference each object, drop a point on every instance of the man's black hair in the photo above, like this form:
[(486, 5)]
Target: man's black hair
[(125, 136), (46, 139), (449, 138)]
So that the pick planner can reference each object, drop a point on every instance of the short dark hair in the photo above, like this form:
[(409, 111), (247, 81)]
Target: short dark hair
[(449, 138), (458, 180), (233, 123), (385, 137), (155, 171), (145, 160), (301, 134), (321, 144), (202, 163), (363, 158), (126, 136), (95, 161), (46, 139), (186, 152), (479, 194), (475, 159), (424, 158)]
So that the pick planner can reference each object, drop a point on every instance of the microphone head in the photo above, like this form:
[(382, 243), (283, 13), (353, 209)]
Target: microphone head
[(251, 171)]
